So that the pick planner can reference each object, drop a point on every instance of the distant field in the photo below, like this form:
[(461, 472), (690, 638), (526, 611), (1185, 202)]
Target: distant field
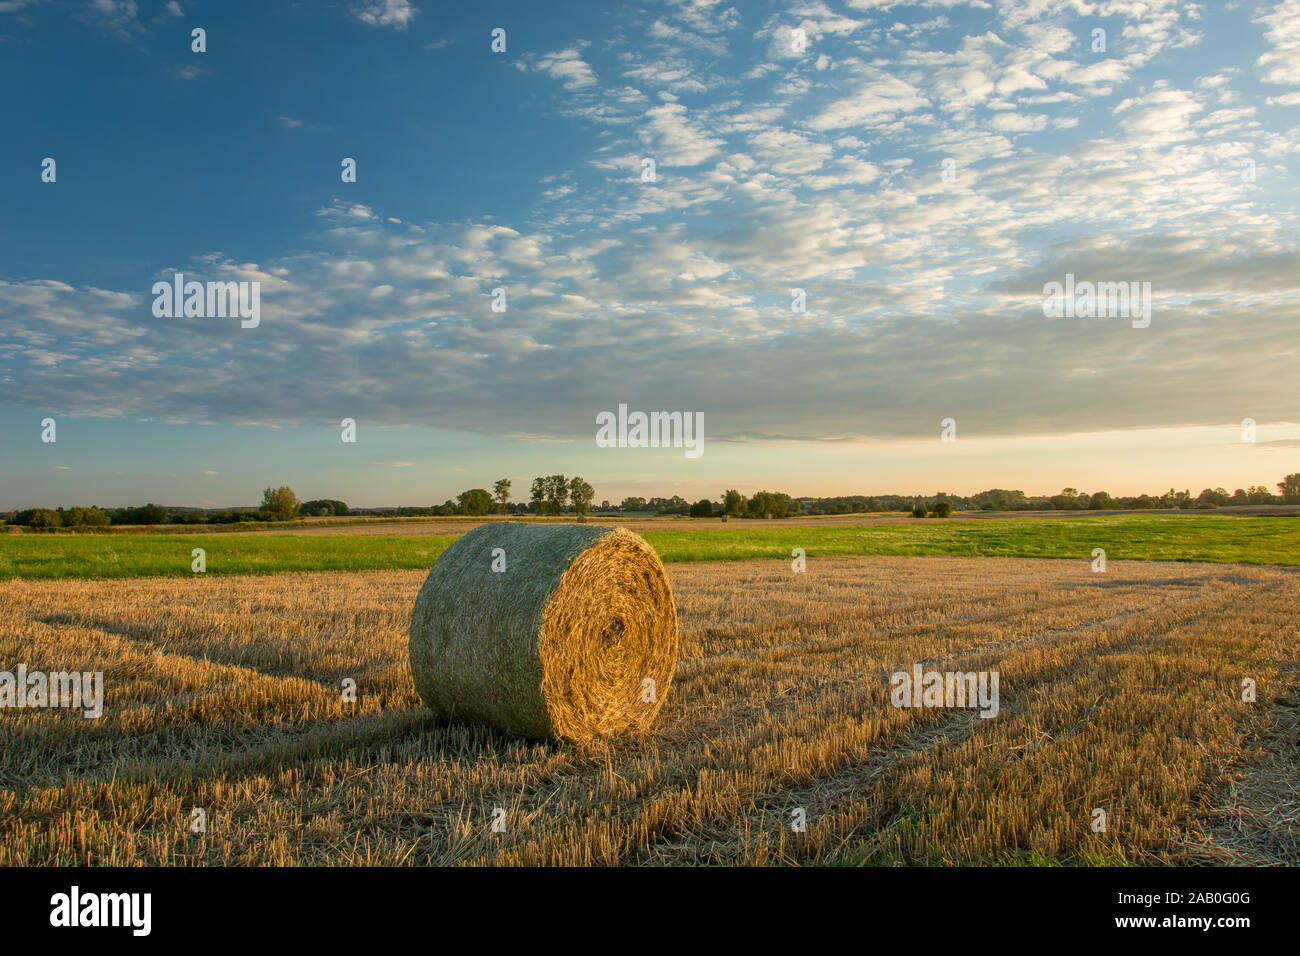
[(643, 522), (1222, 539), (1118, 692)]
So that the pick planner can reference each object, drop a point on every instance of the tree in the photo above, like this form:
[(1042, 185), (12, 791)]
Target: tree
[(1289, 489), (1259, 495), (85, 518), (41, 518), (537, 494), (1000, 499), (145, 514), (1069, 500), (501, 491), (1102, 501), (918, 510), (581, 494), (280, 504), (323, 508), (557, 493), (942, 509), (633, 504), (476, 502), (734, 504), (774, 503), (702, 509), (676, 505)]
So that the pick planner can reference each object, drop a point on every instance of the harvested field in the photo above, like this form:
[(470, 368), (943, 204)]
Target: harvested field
[(1118, 691)]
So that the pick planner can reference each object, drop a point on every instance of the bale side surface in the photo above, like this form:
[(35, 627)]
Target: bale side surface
[(554, 646)]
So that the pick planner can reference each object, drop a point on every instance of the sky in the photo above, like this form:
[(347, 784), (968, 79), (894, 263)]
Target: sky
[(920, 171)]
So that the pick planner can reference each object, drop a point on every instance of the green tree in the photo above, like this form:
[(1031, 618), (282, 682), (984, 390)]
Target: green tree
[(145, 514), (1289, 489), (323, 508), (1069, 500), (702, 509), (774, 503), (501, 491), (1000, 499), (918, 510), (1259, 495), (557, 493), (41, 518), (279, 504), (85, 518), (537, 496), (1215, 497), (734, 504), (475, 502), (580, 493), (1102, 501), (943, 508)]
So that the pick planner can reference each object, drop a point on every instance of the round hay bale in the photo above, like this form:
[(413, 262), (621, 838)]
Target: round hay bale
[(560, 632)]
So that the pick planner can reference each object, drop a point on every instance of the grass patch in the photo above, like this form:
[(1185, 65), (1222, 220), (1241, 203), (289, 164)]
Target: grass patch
[(1230, 540), (1221, 538), (169, 555)]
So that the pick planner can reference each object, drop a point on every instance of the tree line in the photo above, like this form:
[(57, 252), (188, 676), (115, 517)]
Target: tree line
[(558, 494), (278, 504)]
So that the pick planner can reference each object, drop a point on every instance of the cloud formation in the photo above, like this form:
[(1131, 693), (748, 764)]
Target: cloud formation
[(920, 183)]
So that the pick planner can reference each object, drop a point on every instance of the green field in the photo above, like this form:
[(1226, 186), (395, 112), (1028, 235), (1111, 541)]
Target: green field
[(1231, 540)]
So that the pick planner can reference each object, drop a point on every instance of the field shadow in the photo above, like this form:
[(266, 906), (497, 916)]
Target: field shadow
[(197, 651)]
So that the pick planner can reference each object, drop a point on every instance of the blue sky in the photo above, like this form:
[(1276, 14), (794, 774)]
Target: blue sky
[(780, 165)]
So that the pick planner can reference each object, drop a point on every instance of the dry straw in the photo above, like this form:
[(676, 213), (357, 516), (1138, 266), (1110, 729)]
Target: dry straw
[(575, 638)]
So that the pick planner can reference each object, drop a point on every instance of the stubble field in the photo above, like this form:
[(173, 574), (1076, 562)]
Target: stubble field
[(1118, 691)]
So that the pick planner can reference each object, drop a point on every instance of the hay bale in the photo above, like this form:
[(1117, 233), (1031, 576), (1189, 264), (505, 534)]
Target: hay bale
[(559, 644)]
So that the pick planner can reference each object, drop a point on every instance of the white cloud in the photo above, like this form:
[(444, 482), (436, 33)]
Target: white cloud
[(878, 97), (1019, 122), (1281, 63), (568, 67), (1161, 116), (386, 13)]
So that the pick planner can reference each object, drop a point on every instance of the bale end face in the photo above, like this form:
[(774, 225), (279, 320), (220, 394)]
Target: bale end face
[(557, 632)]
